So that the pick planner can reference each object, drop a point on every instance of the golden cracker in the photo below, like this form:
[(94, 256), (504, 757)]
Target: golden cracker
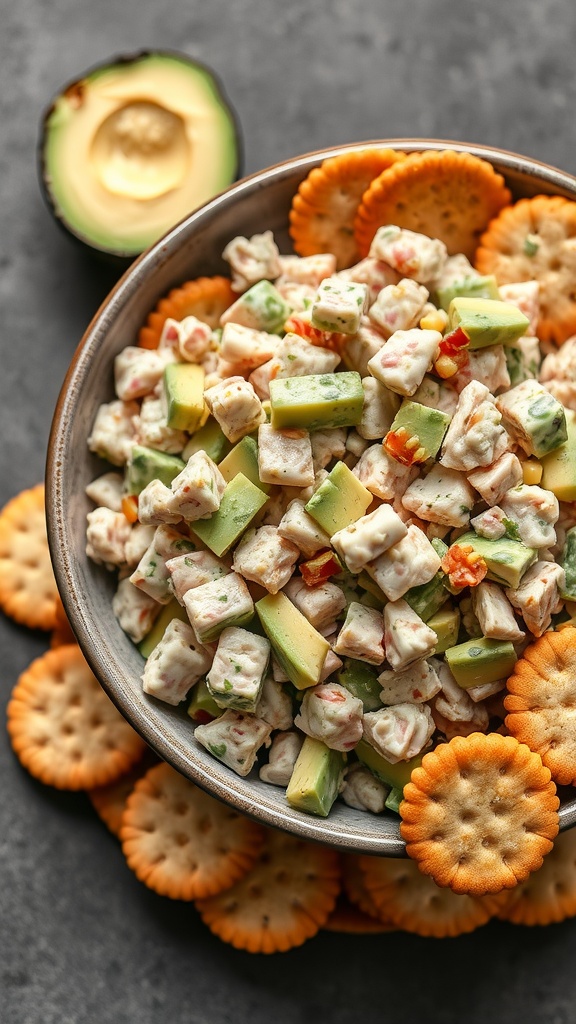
[(442, 194), (548, 895), (181, 842), (28, 590), (480, 813), (284, 900), (205, 298), (109, 801), (350, 920), (64, 729)]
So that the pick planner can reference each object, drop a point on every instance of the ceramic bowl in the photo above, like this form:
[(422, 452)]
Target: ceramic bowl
[(192, 249)]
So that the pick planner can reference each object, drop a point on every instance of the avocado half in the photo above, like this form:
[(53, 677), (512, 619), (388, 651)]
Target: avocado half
[(133, 146)]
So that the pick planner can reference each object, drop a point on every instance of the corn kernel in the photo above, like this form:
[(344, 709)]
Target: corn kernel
[(531, 471), (435, 321)]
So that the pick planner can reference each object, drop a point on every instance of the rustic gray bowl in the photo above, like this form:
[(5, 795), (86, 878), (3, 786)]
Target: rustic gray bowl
[(193, 249)]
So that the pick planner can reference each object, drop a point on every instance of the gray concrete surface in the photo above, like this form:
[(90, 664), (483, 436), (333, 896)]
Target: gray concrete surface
[(81, 941)]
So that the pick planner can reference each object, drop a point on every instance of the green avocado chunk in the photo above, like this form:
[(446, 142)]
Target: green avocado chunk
[(507, 559), (394, 799), (147, 464), (362, 682), (210, 439), (427, 598), (202, 707), (173, 610), (316, 778), (300, 649), (480, 661), (319, 401), (241, 501), (423, 424), (534, 417), (559, 466), (484, 287), (487, 321), (340, 500), (446, 624), (568, 562), (184, 391), (243, 458), (395, 775)]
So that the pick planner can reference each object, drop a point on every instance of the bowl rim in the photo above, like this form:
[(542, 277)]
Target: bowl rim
[(325, 830)]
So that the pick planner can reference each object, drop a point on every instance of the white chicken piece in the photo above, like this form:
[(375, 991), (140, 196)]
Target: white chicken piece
[(415, 685), (235, 739), (106, 491), (236, 407), (369, 537), (275, 705), (252, 259), (492, 482), (538, 596), (282, 757), (406, 637), (362, 347), (197, 490), (320, 604), (113, 433), (177, 662), (152, 430), (107, 533), (137, 371), (382, 475), (329, 712), (298, 526), (266, 557), (494, 612), (410, 253), (362, 634), (398, 307), (285, 457), (525, 295), (404, 359), (475, 436), (408, 563), (400, 732), (246, 348), (379, 409), (362, 790), (534, 511), (443, 496), (135, 611)]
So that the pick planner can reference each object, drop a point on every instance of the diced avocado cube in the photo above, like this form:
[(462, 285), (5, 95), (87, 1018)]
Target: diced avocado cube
[(484, 287), (340, 500), (316, 778), (243, 459), (480, 661), (241, 501), (202, 707), (534, 418), (265, 307), (394, 799), (425, 425), (319, 401), (299, 648), (147, 464), (173, 610), (507, 559), (362, 682), (559, 467), (568, 562), (487, 321), (440, 547), (428, 598), (210, 439), (446, 624), (523, 359), (395, 775), (184, 394)]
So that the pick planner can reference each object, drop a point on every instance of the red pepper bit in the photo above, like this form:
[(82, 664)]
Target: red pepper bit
[(453, 354), (203, 717), (130, 507), (463, 566), (320, 568), (404, 447), (304, 329)]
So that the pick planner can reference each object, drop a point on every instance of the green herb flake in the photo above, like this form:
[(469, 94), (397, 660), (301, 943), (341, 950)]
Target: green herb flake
[(531, 245), (218, 749)]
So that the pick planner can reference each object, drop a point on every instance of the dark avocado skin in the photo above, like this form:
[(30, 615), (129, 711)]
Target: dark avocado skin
[(119, 261)]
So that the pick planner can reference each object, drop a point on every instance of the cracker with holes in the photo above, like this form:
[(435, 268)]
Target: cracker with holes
[(409, 900), (181, 842), (109, 801), (350, 920), (549, 894), (27, 586), (284, 900), (64, 729), (541, 702), (480, 813)]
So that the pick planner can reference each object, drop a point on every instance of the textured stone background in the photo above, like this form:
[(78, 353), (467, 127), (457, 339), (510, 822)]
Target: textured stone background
[(81, 941)]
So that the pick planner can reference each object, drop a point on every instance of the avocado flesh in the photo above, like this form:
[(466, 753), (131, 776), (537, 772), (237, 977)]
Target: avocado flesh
[(170, 611), (240, 503), (315, 780), (559, 466), (133, 146), (300, 649), (507, 560), (480, 661), (487, 321), (395, 775)]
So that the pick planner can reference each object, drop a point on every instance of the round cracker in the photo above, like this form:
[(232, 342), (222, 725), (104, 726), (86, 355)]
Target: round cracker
[(549, 894), (355, 887), (414, 903), (28, 590), (325, 205), (181, 842), (349, 919), (205, 298), (541, 702), (442, 194), (109, 801), (64, 729), (283, 901), (546, 227), (480, 813)]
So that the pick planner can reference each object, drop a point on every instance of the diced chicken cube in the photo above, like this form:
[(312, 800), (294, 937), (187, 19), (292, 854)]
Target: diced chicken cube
[(107, 491), (106, 536), (362, 347), (436, 395), (137, 371), (494, 612), (238, 669), (535, 512), (310, 270), (330, 713), (176, 664), (151, 574), (355, 444), (197, 491), (400, 732), (213, 606), (294, 357), (372, 272), (493, 481), (408, 563), (327, 445), (456, 268), (134, 610), (538, 596), (113, 433), (453, 703), (339, 305), (369, 537), (398, 307), (297, 526), (193, 570), (381, 474), (410, 253), (138, 543), (475, 436), (406, 637), (320, 604), (362, 634), (332, 662), (404, 359), (490, 523), (486, 365), (236, 407), (415, 685), (379, 409), (266, 557), (298, 296), (154, 505), (252, 259), (443, 496), (235, 739), (525, 295), (191, 337), (275, 704), (285, 457), (245, 347), (362, 790), (282, 757), (152, 430)]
